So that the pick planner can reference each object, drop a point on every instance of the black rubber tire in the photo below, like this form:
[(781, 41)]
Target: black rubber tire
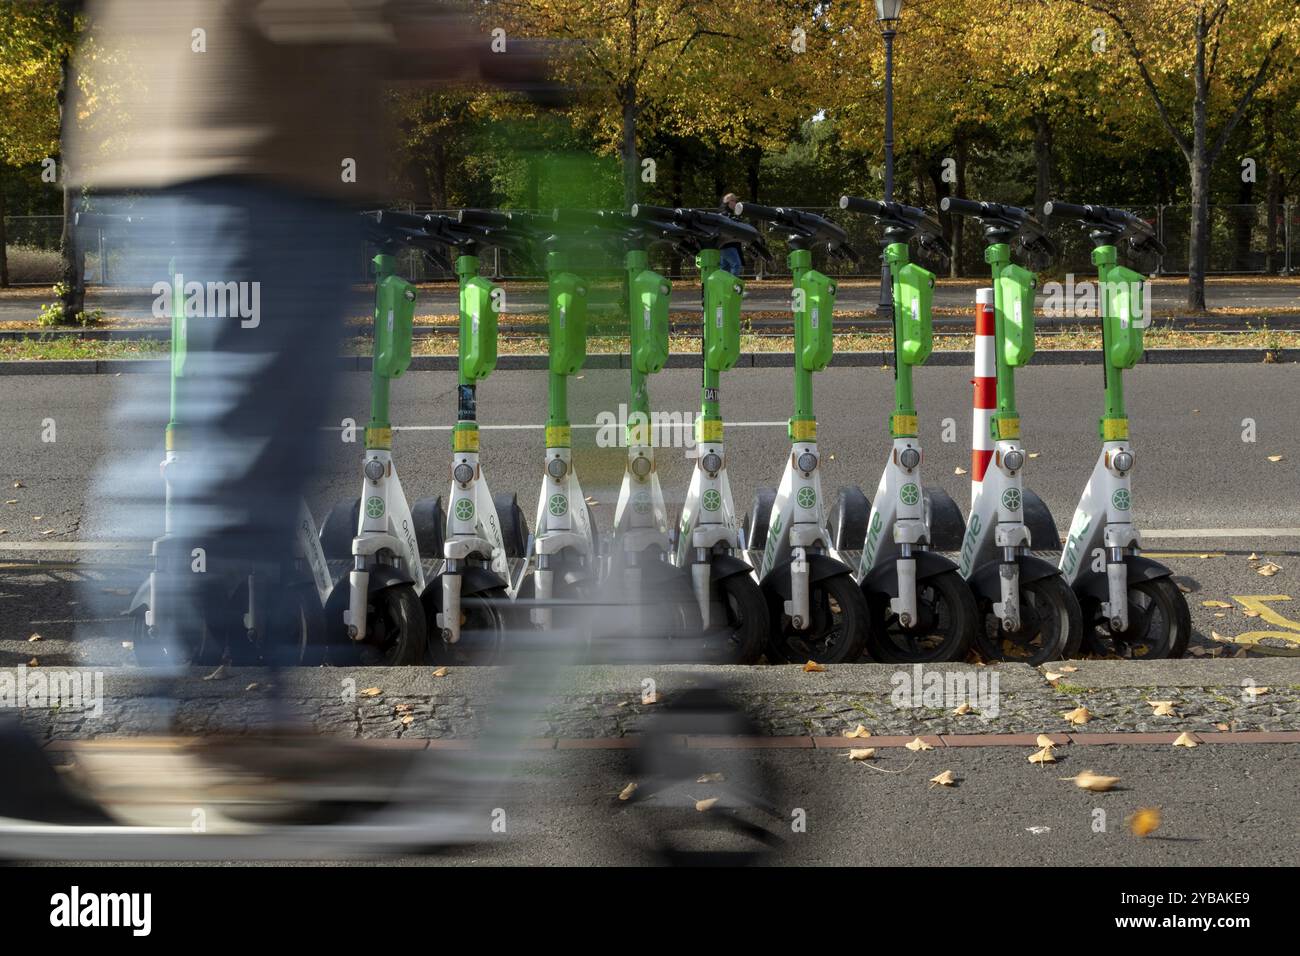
[(848, 519), (486, 621), (1050, 616), (949, 617), (1163, 631), (514, 524), (1043, 535), (339, 528), (947, 525), (755, 522), (827, 641), (396, 633), (297, 633), (150, 652), (743, 638), (430, 527)]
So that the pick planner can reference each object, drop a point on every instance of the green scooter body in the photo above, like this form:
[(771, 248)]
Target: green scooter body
[(478, 329), (723, 294), (1015, 299), (394, 315), (1124, 316), (649, 294), (814, 301), (914, 297), (568, 322)]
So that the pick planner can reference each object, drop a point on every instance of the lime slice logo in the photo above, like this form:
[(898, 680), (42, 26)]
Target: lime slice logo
[(1121, 499), (806, 498), (909, 494), (1011, 499), (464, 510), (375, 506), (641, 503), (558, 505), (712, 500)]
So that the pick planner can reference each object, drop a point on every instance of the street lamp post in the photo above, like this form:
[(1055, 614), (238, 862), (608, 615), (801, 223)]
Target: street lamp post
[(888, 12)]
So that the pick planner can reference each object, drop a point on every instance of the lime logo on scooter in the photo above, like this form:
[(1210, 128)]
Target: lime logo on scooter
[(558, 506), (773, 542), (873, 539), (909, 494), (1011, 499), (806, 498), (464, 510), (711, 500), (968, 546), (375, 506), (1070, 559), (1121, 499)]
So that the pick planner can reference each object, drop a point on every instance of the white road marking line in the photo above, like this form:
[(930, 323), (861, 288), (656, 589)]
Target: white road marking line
[(507, 428)]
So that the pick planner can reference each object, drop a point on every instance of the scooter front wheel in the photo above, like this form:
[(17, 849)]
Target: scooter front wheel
[(484, 621), (1049, 616), (740, 622), (838, 630), (948, 616), (395, 628), (1159, 623)]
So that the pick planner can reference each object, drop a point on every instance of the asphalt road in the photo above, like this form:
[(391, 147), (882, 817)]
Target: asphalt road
[(1220, 805), (1264, 293), (1194, 471)]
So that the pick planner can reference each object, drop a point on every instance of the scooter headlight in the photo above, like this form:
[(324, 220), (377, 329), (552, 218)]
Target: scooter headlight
[(557, 468), (712, 462), (909, 458), (463, 473), (640, 466), (374, 469), (807, 462), (1014, 460), (1123, 461)]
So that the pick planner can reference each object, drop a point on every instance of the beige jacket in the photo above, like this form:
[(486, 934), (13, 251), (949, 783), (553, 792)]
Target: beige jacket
[(287, 91)]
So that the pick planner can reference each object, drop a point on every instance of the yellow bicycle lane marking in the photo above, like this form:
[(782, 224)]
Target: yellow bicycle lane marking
[(1259, 604)]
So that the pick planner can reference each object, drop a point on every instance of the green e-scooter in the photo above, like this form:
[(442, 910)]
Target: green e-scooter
[(817, 610), (922, 610), (1029, 612), (1131, 606)]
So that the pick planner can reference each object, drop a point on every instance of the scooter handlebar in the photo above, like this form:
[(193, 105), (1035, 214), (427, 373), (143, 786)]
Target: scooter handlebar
[(1115, 221), (962, 207), (805, 223), (485, 217)]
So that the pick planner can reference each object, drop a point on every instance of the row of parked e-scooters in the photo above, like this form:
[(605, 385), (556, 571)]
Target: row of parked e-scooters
[(791, 580)]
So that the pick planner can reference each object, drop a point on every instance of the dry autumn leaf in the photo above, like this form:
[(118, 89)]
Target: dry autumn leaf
[(1045, 741), (1268, 570), (35, 637), (1080, 715), (252, 686), (1145, 822), (917, 745), (1068, 669), (1222, 727), (369, 692), (945, 779), (706, 804), (862, 753), (440, 672), (221, 673), (408, 720), (33, 663), (1093, 781), (812, 667), (626, 792), (1256, 691), (962, 710), (1042, 756), (1185, 740), (710, 778), (959, 471), (1275, 457), (1252, 556), (1052, 676), (1163, 708), (858, 731)]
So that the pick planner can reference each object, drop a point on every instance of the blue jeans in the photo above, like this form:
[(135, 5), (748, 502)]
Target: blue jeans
[(731, 260)]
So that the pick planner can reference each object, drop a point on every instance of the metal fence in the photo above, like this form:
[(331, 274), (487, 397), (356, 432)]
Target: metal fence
[(1241, 242)]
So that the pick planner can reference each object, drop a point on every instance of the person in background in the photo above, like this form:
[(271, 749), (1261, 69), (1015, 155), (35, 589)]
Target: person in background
[(731, 257)]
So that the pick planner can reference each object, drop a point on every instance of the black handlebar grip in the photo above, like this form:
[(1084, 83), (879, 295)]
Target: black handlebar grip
[(961, 207), (872, 207), (404, 220), (645, 211), (484, 217), (1055, 207), (753, 210)]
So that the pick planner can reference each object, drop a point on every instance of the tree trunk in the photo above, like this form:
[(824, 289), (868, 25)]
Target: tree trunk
[(4, 237), (71, 273), (1042, 161), (753, 171), (1199, 239), (1272, 196), (630, 171), (959, 222)]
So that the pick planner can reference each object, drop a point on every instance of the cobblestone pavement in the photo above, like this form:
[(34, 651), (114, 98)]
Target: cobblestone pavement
[(603, 702)]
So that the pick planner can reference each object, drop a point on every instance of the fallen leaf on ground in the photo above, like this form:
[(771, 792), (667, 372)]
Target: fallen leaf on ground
[(1256, 691), (408, 720), (33, 663), (35, 637), (945, 779), (403, 708), (959, 471), (252, 686), (1045, 741), (1042, 756), (1034, 454), (1222, 727), (440, 672), (707, 804), (370, 692), (1093, 781), (650, 698), (19, 484), (1145, 822), (1268, 570), (858, 731), (812, 667), (1080, 715), (962, 710), (626, 792), (1185, 740), (1163, 708), (1250, 613), (1052, 676), (710, 778), (221, 673), (1274, 457), (862, 753), (918, 744), (1068, 669), (1252, 557), (1215, 635)]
